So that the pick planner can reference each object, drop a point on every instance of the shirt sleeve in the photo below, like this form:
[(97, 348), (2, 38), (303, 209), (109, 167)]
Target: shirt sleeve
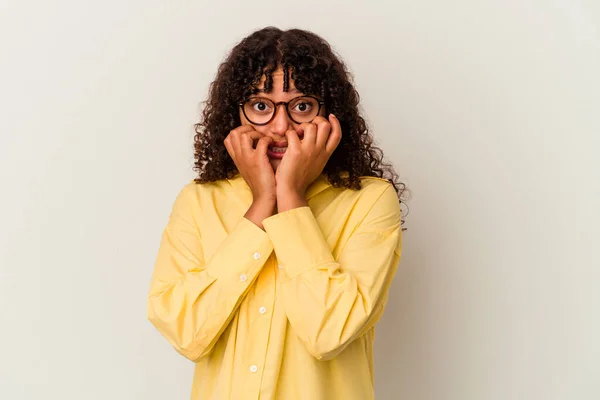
[(330, 302), (192, 300)]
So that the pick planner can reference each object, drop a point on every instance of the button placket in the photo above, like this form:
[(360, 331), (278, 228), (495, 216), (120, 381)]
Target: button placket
[(262, 304)]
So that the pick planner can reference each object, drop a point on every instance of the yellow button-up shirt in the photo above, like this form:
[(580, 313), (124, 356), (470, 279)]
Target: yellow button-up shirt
[(287, 312)]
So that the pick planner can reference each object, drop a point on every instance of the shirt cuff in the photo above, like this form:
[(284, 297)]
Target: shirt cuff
[(298, 241), (244, 251)]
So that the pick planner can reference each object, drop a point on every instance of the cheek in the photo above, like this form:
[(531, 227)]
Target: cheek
[(262, 129), (243, 118)]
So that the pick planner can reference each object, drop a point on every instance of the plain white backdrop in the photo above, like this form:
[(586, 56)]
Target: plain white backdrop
[(488, 109)]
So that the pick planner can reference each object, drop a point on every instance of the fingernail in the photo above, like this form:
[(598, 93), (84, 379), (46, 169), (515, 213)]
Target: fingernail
[(333, 115)]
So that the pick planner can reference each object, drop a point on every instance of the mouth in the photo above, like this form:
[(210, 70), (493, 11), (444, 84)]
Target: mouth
[(277, 150)]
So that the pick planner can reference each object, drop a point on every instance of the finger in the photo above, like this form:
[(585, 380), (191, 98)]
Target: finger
[(335, 136), (252, 136), (247, 141), (241, 129), (232, 142), (292, 139), (309, 131), (323, 131), (245, 144), (263, 144)]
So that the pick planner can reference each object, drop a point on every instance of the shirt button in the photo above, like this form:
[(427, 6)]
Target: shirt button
[(256, 255), (253, 368), (280, 266), (262, 310), (243, 278)]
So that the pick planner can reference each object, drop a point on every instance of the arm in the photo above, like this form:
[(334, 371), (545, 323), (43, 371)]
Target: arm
[(330, 302), (192, 300)]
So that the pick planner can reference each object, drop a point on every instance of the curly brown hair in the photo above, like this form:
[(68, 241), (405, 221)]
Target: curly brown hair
[(315, 70)]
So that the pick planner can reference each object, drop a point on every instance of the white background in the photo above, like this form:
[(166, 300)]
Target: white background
[(489, 110)]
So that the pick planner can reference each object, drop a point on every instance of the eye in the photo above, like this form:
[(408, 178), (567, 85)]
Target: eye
[(260, 106), (303, 106)]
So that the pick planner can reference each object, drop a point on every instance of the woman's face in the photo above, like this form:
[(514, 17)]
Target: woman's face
[(281, 122)]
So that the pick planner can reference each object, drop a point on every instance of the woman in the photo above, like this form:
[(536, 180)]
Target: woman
[(276, 261)]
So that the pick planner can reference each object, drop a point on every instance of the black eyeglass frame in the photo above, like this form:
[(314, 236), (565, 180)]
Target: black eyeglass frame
[(276, 105)]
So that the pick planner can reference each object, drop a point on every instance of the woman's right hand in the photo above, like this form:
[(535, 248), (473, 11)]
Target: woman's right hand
[(253, 164)]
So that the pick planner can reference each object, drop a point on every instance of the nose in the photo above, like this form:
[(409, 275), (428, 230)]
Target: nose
[(281, 123)]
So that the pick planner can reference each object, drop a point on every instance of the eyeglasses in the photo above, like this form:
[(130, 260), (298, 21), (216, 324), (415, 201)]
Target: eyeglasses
[(260, 110)]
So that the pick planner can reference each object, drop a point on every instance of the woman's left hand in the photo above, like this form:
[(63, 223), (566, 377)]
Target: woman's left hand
[(304, 160)]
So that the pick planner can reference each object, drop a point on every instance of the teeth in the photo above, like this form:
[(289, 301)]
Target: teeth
[(278, 149)]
